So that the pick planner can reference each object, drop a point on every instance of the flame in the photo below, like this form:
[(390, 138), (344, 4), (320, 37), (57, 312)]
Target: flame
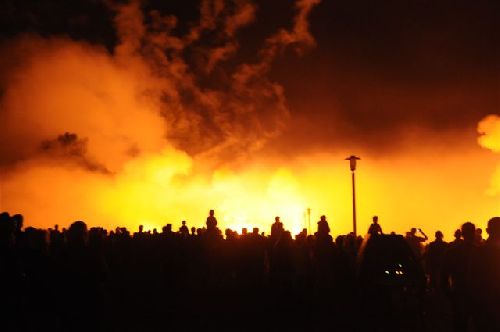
[(168, 187)]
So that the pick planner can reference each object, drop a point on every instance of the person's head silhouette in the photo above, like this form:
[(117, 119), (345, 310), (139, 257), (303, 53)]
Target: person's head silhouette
[(7, 229), (77, 234), (468, 232), (4, 216), (18, 220), (212, 212), (493, 229), (375, 219), (439, 235), (277, 219)]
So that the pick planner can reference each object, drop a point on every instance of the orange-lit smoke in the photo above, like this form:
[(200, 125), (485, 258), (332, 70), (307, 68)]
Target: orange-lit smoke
[(132, 137), (489, 128), (148, 144)]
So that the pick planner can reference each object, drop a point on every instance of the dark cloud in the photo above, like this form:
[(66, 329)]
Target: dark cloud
[(382, 69), (69, 148), (379, 68), (87, 20)]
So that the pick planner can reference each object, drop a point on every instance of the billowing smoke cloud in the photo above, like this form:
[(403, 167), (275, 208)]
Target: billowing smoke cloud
[(489, 128), (248, 111), (120, 137), (146, 93), (175, 118), (62, 86), (70, 148)]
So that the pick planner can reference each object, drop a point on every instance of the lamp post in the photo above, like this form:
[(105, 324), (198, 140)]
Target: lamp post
[(309, 220), (352, 163)]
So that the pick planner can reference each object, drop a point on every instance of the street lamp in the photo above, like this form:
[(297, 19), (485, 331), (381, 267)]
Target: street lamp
[(309, 220), (352, 163)]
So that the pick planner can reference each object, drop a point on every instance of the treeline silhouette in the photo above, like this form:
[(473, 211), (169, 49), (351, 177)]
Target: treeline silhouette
[(81, 279)]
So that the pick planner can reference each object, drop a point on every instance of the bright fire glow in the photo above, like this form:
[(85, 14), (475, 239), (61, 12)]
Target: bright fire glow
[(163, 189), (147, 154)]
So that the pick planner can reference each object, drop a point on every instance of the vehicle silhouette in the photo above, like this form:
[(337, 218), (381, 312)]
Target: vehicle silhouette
[(391, 284)]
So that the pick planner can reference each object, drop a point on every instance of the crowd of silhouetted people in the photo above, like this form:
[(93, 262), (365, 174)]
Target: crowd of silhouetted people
[(80, 279)]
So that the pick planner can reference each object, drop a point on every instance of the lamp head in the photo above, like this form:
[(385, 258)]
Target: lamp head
[(352, 161)]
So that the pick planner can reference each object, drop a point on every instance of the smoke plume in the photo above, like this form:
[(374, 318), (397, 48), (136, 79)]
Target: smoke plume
[(489, 130), (134, 134)]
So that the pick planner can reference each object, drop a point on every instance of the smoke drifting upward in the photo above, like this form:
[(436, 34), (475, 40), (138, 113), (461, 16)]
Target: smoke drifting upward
[(115, 137), (174, 118), (62, 86), (242, 116), (146, 95), (489, 128)]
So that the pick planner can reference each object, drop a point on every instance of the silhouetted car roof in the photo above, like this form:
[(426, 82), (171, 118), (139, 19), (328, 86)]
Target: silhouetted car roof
[(388, 260)]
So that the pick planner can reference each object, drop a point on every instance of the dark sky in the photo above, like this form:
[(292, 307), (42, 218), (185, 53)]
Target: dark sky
[(379, 67)]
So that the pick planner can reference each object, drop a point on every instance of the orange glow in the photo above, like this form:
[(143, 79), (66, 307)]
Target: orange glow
[(147, 156), (164, 189)]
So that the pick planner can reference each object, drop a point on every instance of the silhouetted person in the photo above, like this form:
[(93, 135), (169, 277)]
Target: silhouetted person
[(323, 227), (282, 267), (166, 231), (211, 221), (484, 278), (457, 238), (56, 241), (302, 236), (82, 272), (184, 230), (12, 275), (7, 231), (310, 279), (454, 276), (18, 220), (323, 234), (434, 257), (323, 257), (416, 241), (140, 234), (276, 229), (479, 237), (230, 235), (375, 228)]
